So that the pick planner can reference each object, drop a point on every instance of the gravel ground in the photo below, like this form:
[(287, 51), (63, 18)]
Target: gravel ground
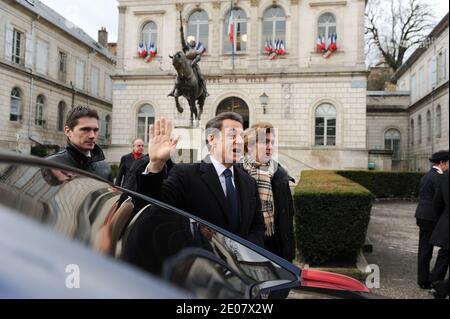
[(394, 235)]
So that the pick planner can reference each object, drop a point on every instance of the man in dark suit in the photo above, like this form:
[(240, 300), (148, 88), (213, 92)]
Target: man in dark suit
[(213, 189), (127, 161), (439, 238), (426, 216)]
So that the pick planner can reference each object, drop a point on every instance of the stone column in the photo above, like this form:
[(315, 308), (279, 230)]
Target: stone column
[(121, 39)]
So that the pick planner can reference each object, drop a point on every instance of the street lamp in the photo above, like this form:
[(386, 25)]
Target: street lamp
[(264, 100)]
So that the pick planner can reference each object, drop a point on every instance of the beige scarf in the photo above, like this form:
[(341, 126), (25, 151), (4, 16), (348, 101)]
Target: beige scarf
[(263, 174)]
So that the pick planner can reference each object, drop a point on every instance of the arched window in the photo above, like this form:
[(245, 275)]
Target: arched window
[(145, 117), (40, 104), (274, 25), (429, 134), (326, 26), (392, 142), (419, 124), (198, 27), (240, 37), (325, 128), (149, 33), (412, 132), (438, 121), (61, 115), (237, 105), (15, 113)]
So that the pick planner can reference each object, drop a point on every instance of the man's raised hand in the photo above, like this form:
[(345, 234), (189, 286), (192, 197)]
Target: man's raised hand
[(160, 144)]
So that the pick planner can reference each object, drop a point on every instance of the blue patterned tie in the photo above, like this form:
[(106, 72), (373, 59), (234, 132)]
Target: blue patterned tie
[(232, 200)]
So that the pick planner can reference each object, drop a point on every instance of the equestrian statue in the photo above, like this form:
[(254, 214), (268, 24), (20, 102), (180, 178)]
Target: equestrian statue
[(190, 82)]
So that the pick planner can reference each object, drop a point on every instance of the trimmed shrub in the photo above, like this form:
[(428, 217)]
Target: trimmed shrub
[(387, 184), (332, 216)]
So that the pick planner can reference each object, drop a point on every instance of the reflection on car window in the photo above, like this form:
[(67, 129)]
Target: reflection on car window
[(162, 242)]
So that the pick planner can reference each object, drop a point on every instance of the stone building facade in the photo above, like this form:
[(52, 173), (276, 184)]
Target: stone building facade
[(412, 122), (317, 103), (47, 66)]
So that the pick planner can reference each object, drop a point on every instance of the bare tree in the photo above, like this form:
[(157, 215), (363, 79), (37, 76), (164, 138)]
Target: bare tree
[(394, 26)]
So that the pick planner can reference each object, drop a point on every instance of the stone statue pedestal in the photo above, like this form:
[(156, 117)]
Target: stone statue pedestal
[(190, 144)]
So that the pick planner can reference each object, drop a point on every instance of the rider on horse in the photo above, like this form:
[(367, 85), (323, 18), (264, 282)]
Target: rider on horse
[(192, 54)]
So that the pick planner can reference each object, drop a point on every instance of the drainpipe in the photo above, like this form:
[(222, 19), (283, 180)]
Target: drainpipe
[(30, 104)]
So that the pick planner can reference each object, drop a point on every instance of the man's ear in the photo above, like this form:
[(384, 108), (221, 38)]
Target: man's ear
[(211, 139), (67, 130)]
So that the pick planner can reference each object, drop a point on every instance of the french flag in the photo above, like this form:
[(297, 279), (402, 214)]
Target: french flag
[(153, 50), (323, 44), (142, 52), (267, 47), (333, 45), (281, 49), (319, 43), (231, 26), (200, 48)]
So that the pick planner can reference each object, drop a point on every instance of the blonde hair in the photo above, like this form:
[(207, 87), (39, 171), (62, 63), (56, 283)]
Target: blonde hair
[(251, 135)]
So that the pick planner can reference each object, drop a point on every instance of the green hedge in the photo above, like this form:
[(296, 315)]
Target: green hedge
[(387, 184), (332, 216)]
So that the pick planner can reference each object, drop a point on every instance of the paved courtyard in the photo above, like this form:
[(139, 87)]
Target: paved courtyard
[(394, 235)]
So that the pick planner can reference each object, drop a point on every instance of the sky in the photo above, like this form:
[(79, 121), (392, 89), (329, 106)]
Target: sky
[(90, 15)]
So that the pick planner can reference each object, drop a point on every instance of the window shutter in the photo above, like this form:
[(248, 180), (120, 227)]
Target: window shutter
[(28, 51), (41, 57), (433, 72), (8, 42)]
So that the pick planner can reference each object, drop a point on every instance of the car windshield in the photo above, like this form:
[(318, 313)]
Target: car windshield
[(190, 253)]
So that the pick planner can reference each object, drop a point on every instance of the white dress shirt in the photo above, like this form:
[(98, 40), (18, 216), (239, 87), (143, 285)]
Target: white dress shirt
[(220, 168)]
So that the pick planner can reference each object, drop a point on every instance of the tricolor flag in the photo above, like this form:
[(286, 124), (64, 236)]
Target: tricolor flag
[(333, 45), (231, 26), (323, 44), (200, 48), (281, 50), (277, 46), (319, 43), (142, 52), (267, 47), (153, 51)]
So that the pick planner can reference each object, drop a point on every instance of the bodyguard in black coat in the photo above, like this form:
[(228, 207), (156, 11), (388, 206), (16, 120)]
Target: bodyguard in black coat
[(81, 129), (427, 216), (127, 161), (439, 237)]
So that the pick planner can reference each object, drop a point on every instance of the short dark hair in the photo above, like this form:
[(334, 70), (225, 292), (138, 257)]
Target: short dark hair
[(78, 112), (216, 123)]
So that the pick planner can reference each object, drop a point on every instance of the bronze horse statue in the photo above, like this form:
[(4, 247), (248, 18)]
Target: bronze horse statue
[(188, 85)]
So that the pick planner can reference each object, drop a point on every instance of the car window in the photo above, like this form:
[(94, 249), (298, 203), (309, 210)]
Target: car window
[(196, 256)]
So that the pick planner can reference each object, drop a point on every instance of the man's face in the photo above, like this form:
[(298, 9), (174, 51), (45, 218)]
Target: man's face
[(84, 134), (228, 146), (263, 150), (192, 43), (138, 146), (444, 166)]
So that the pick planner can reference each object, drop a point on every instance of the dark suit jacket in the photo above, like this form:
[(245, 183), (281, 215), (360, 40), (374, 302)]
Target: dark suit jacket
[(196, 189), (427, 189), (124, 168), (440, 203)]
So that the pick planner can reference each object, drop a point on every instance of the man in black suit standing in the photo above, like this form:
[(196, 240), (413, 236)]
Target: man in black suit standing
[(426, 216), (439, 238), (213, 189), (127, 161)]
